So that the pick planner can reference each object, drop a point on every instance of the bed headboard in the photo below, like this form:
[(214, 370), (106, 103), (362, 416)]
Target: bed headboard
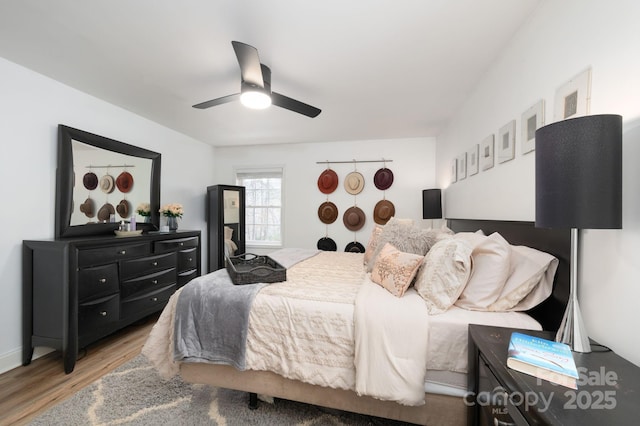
[(553, 241)]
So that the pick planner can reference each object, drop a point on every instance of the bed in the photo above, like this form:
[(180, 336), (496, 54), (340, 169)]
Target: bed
[(443, 380)]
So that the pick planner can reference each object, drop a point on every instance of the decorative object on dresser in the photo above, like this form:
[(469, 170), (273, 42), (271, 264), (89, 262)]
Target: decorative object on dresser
[(225, 224), (579, 186), (78, 290)]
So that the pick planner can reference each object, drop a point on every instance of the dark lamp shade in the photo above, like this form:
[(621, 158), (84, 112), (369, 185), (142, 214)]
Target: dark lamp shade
[(579, 173), (431, 204)]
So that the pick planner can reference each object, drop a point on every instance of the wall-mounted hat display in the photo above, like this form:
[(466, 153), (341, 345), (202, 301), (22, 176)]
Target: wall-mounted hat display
[(354, 183), (107, 184), (354, 247), (383, 178), (124, 209), (90, 181), (353, 218), (383, 211), (105, 212), (328, 212), (88, 207), (327, 181), (124, 182), (327, 244)]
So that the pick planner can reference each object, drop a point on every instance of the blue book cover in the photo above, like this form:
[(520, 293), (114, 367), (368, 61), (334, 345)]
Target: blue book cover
[(549, 360)]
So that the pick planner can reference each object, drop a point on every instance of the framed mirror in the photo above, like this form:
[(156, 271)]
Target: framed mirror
[(101, 182)]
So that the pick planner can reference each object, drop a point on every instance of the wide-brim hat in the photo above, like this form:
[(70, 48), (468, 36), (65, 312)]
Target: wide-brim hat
[(88, 207), (354, 247), (354, 183), (123, 208), (107, 184), (383, 211), (105, 212), (90, 181), (353, 218), (383, 178), (327, 244), (124, 182), (328, 212), (327, 181)]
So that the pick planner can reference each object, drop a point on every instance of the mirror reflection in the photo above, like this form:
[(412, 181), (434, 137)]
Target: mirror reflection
[(231, 219), (108, 186)]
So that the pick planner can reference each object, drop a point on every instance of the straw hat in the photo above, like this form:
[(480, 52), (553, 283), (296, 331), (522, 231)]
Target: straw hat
[(107, 184), (327, 181), (354, 183), (383, 211), (328, 212), (383, 178), (353, 218)]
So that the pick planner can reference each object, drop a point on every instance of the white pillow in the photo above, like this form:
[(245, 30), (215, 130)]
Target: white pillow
[(530, 282), (491, 258), (444, 274)]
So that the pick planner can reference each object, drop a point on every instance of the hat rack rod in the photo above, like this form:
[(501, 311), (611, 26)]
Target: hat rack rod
[(354, 161), (108, 166)]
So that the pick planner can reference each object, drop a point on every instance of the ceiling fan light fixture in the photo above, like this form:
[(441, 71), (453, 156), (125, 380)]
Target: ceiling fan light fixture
[(255, 99)]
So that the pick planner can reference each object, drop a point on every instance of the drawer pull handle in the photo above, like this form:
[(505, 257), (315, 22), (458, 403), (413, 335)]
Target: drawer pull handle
[(154, 281), (154, 263), (181, 244), (102, 280), (103, 313), (123, 252), (154, 299), (190, 259)]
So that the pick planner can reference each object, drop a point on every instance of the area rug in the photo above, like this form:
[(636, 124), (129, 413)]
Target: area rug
[(134, 394)]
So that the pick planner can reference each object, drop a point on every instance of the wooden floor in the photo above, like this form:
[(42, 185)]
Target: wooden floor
[(27, 391)]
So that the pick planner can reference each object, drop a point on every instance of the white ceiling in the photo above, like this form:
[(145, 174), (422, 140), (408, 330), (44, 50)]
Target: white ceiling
[(378, 69)]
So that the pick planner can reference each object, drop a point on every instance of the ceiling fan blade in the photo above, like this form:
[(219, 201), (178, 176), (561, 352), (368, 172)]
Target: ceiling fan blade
[(293, 105), (218, 101), (249, 63)]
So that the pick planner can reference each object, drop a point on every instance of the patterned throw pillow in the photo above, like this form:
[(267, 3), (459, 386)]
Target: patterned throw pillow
[(373, 244), (394, 270), (444, 274)]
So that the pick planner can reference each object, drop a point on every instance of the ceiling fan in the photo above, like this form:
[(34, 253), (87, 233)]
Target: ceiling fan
[(255, 87)]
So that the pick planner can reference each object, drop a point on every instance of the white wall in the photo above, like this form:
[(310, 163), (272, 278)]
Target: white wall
[(562, 39), (31, 107), (412, 165)]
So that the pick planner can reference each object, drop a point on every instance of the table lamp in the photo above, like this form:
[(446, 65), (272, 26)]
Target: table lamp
[(432, 204)]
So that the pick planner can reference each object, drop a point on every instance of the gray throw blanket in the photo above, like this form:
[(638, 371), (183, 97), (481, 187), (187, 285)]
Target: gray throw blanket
[(212, 315)]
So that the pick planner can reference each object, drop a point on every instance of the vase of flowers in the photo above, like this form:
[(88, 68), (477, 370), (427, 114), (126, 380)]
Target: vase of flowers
[(144, 210), (172, 212)]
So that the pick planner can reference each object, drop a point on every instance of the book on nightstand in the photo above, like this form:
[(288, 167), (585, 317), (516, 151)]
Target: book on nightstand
[(542, 358)]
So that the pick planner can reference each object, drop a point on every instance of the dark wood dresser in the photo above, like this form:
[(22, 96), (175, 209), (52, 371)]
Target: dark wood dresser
[(78, 290)]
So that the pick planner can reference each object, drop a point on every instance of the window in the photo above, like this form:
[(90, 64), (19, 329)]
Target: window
[(263, 204)]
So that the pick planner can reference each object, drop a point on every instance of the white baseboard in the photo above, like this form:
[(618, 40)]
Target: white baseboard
[(13, 359)]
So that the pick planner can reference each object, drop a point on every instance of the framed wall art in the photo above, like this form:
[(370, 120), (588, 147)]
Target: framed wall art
[(462, 166), (506, 142), (472, 160), (454, 170), (532, 119), (486, 153), (573, 98)]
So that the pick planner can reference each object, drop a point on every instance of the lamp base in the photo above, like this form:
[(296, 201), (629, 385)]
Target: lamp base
[(572, 330)]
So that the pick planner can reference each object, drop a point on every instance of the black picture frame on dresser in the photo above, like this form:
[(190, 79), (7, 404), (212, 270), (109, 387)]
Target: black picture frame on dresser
[(66, 180), (79, 290)]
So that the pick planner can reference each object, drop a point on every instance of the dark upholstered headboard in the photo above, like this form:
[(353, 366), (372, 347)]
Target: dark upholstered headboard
[(553, 241)]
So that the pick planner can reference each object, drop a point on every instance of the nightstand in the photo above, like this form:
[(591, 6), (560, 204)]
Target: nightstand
[(608, 389)]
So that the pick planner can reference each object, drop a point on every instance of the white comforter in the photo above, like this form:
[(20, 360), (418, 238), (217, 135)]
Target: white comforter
[(305, 329)]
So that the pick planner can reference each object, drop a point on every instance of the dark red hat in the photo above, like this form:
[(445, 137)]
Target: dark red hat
[(327, 181), (90, 181), (383, 178), (124, 182)]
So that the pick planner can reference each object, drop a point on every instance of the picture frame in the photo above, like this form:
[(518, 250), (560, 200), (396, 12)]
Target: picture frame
[(506, 142), (462, 166), (473, 160), (454, 170), (486, 153), (573, 98), (532, 120)]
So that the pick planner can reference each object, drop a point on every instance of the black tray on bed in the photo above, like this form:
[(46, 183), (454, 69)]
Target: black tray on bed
[(249, 268)]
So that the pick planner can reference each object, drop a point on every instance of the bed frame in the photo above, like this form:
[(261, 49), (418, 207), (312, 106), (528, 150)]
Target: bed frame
[(438, 409)]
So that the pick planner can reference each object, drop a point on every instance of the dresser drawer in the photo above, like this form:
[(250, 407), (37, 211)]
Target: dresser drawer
[(102, 255), (147, 283), (146, 265), (97, 281), (147, 302), (185, 277), (97, 313), (175, 244), (187, 259)]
